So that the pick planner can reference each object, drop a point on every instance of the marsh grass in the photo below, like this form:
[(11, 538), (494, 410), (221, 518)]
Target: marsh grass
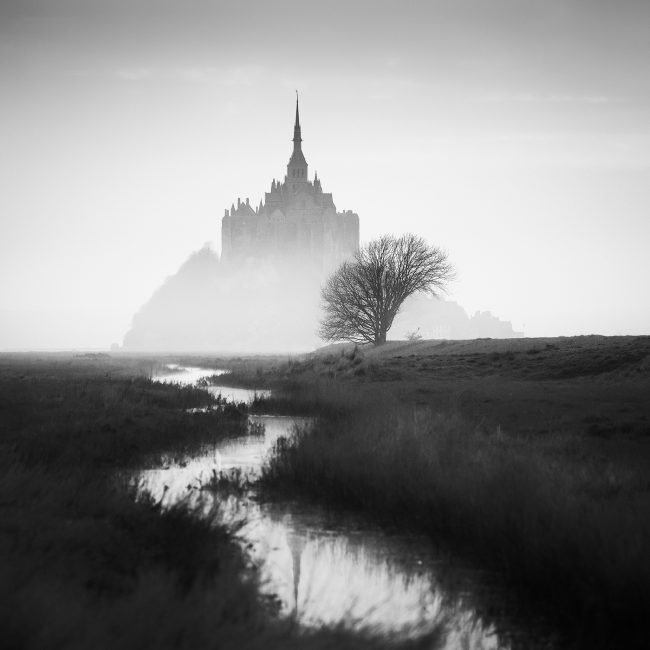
[(244, 371), (325, 398), (569, 531), (86, 560)]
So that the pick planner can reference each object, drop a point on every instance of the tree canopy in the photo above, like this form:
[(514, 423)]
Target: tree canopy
[(363, 296)]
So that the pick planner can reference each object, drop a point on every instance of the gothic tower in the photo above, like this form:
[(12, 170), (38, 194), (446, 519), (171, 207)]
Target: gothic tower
[(295, 222), (297, 167)]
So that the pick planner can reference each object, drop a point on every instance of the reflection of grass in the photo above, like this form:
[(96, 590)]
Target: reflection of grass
[(84, 561), (569, 531), (212, 380)]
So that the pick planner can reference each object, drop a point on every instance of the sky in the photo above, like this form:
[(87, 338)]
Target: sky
[(513, 133)]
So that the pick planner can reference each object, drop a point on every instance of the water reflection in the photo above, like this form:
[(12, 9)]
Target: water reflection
[(244, 453), (325, 568), (326, 577), (190, 375), (238, 394), (185, 375)]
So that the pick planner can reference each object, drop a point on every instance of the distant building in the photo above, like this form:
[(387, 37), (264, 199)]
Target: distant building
[(249, 301), (296, 221)]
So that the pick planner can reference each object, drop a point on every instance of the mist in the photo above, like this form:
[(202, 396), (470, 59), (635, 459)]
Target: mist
[(513, 134), (264, 306), (324, 324), (209, 305)]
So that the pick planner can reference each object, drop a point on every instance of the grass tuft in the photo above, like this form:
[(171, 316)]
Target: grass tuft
[(568, 530), (88, 562)]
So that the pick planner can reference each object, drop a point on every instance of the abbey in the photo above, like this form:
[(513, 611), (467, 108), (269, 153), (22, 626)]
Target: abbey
[(296, 221)]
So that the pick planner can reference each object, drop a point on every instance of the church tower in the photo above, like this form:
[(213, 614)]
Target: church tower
[(296, 222), (297, 167)]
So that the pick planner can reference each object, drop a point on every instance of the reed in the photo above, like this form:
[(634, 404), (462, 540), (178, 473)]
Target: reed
[(86, 561), (568, 530)]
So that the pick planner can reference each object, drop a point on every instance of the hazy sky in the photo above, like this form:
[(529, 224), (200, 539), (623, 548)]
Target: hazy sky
[(515, 133)]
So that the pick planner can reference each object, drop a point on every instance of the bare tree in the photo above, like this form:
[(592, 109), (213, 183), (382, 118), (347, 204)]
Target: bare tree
[(363, 296)]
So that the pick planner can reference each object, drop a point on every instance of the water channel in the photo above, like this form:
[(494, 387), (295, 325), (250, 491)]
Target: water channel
[(324, 567)]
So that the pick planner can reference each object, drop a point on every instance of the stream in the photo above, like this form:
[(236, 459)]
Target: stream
[(331, 568)]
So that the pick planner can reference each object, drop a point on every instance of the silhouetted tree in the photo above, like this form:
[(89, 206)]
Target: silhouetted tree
[(363, 296)]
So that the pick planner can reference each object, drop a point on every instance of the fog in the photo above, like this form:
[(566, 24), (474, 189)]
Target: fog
[(213, 306), (514, 134), (266, 306)]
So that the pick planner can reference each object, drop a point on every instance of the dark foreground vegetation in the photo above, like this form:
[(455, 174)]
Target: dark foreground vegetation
[(532, 457), (86, 561)]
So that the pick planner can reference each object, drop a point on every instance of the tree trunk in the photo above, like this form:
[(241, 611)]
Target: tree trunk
[(380, 339)]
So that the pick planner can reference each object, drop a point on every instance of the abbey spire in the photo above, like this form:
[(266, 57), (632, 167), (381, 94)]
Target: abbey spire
[(297, 167), (297, 138), (295, 220)]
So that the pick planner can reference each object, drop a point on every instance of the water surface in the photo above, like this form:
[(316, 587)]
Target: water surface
[(327, 567), (186, 375)]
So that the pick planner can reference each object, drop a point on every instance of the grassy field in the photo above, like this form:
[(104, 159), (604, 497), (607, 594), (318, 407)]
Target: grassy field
[(87, 562), (531, 456)]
